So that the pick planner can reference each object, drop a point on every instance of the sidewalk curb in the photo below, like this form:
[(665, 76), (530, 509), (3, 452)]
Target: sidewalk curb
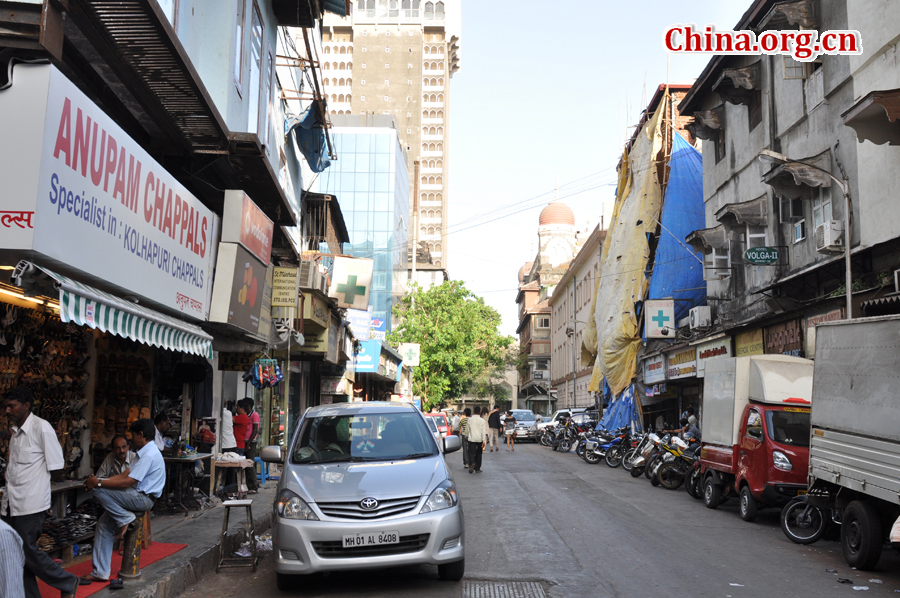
[(191, 565)]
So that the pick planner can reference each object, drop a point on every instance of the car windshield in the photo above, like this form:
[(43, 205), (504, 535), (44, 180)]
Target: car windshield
[(353, 438), (523, 416), (790, 426)]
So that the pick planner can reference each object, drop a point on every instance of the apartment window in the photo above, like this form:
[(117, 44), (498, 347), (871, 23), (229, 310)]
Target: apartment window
[(363, 81), (799, 231), (364, 48), (239, 45), (791, 209), (387, 82), (362, 98), (793, 69), (364, 65), (543, 323), (254, 82), (822, 207), (387, 49), (754, 106), (717, 265), (720, 145)]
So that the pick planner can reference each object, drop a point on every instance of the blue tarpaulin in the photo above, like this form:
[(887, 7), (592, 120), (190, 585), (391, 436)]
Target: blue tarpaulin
[(309, 129), (676, 272), (623, 411)]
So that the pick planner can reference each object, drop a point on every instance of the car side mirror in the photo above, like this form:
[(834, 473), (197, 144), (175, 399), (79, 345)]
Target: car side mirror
[(755, 432), (451, 444), (271, 454)]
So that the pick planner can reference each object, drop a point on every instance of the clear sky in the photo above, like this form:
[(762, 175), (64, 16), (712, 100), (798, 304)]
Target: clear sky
[(544, 96)]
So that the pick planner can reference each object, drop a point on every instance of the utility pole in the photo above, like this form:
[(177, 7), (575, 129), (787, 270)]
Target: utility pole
[(415, 231)]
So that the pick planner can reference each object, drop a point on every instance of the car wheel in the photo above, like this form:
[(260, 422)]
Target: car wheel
[(286, 582), (712, 493), (748, 505), (452, 571)]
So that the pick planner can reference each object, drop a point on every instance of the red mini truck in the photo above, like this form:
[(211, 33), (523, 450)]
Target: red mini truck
[(755, 444)]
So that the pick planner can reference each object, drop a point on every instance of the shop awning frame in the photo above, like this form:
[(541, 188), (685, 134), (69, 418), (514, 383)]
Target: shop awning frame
[(85, 305)]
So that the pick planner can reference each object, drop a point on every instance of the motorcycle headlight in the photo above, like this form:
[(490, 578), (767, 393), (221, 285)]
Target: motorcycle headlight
[(291, 506), (443, 497), (781, 461)]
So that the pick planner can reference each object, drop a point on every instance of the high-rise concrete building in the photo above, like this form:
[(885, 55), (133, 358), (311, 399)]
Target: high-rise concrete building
[(396, 57)]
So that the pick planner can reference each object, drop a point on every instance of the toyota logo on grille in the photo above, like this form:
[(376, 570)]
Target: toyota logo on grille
[(368, 503)]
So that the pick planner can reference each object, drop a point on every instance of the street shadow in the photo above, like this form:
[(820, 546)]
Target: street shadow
[(394, 582)]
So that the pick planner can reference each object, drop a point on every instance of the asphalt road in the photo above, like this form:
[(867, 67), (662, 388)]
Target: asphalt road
[(535, 515)]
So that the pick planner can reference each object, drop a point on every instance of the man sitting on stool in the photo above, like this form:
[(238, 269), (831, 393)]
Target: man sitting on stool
[(121, 459), (125, 494)]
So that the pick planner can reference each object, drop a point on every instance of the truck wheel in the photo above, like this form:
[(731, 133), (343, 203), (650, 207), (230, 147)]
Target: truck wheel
[(861, 537), (749, 506), (712, 493)]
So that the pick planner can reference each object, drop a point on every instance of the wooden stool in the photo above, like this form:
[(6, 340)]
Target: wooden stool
[(237, 561), (131, 555)]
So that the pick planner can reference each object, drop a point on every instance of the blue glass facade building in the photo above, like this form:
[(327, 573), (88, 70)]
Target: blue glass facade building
[(371, 181)]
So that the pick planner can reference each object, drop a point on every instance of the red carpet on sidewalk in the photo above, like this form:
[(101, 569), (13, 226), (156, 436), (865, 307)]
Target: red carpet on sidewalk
[(155, 553)]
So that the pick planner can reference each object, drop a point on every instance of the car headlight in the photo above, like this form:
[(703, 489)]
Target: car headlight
[(291, 506), (443, 497), (781, 461)]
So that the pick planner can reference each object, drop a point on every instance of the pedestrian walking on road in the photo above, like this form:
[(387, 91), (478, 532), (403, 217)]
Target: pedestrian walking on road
[(510, 424), (477, 429), (463, 435), (34, 452), (494, 429)]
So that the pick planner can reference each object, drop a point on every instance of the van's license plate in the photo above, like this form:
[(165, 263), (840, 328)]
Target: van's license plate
[(371, 539)]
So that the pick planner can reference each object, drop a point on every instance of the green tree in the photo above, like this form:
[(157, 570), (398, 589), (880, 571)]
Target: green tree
[(459, 339)]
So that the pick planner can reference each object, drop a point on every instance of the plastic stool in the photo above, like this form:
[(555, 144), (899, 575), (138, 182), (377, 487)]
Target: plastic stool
[(263, 470), (237, 561)]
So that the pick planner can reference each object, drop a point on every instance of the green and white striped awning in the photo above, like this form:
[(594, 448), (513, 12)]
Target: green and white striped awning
[(85, 305)]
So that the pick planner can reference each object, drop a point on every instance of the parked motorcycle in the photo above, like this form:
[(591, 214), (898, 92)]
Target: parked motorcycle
[(802, 522)]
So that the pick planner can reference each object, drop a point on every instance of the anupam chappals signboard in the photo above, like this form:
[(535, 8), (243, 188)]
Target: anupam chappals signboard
[(100, 203)]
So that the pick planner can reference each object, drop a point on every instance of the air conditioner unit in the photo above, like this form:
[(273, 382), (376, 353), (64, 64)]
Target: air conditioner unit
[(829, 237), (701, 317), (309, 275)]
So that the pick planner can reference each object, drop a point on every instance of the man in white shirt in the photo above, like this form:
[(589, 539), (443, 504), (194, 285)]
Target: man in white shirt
[(124, 495), (119, 460), (34, 452), (162, 424), (476, 428)]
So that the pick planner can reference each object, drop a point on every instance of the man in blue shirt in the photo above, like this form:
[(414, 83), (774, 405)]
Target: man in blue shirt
[(125, 494)]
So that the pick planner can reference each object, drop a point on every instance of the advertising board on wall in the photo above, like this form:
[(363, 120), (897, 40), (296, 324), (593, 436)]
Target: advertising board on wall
[(659, 318), (79, 190), (785, 338), (716, 349), (368, 357), (682, 363), (244, 223), (655, 369), (285, 287), (749, 343), (240, 290)]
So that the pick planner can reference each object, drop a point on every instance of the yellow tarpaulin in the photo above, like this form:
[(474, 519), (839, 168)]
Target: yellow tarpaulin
[(624, 260)]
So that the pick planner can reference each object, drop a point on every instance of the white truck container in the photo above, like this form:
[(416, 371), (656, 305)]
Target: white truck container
[(855, 445), (732, 383)]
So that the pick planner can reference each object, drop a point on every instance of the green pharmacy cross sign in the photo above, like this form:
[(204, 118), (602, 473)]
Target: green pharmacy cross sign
[(351, 289), (762, 256)]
